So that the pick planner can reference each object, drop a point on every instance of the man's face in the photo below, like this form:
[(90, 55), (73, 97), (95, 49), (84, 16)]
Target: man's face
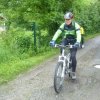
[(68, 21)]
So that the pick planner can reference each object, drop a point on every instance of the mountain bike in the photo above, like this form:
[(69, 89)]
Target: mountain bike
[(63, 66)]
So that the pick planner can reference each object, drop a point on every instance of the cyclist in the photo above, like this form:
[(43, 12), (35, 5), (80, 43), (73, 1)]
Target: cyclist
[(71, 34)]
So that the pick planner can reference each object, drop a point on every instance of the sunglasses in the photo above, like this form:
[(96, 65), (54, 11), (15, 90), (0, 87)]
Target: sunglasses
[(67, 19)]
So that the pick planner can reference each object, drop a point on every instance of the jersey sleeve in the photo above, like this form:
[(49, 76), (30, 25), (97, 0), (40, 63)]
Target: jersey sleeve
[(58, 32), (78, 33)]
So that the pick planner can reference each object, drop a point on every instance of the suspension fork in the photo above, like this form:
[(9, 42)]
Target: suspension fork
[(63, 71), (62, 59)]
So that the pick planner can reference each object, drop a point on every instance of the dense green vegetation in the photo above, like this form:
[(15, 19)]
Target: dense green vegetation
[(23, 18)]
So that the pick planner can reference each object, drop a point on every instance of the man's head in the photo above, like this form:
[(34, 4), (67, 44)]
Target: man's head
[(68, 18)]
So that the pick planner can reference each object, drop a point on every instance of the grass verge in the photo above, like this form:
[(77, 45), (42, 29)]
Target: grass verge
[(89, 36), (12, 69)]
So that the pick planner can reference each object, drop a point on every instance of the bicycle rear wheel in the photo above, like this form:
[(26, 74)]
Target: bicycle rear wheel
[(58, 79)]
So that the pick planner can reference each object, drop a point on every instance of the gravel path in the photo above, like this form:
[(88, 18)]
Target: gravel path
[(37, 84)]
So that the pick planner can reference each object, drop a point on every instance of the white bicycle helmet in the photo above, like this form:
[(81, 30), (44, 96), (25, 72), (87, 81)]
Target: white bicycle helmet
[(68, 15)]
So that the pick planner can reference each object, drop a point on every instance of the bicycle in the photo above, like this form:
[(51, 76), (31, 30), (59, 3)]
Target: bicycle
[(63, 66)]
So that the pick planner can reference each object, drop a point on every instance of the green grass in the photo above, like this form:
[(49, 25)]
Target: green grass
[(89, 36), (11, 69)]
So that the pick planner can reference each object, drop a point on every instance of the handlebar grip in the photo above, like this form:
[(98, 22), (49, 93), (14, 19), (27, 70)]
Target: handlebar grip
[(56, 45)]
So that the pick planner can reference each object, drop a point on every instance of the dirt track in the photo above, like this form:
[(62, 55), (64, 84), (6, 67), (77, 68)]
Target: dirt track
[(37, 84)]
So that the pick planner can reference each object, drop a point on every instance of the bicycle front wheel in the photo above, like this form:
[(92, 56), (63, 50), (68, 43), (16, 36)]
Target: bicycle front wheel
[(58, 79)]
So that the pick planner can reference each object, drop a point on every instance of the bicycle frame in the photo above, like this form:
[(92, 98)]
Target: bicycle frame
[(64, 58), (63, 63)]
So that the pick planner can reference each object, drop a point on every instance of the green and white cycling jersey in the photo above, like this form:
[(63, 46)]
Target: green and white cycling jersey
[(65, 30)]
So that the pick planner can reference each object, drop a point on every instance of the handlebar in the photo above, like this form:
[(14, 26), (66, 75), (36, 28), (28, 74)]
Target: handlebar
[(64, 46)]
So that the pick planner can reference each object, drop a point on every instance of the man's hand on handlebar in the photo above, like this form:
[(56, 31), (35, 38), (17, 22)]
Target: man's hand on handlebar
[(52, 43), (77, 45)]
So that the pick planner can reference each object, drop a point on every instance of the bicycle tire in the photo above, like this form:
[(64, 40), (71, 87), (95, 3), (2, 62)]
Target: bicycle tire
[(58, 80), (69, 74), (70, 67)]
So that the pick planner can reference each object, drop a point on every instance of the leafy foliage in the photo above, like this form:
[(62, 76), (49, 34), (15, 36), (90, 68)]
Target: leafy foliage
[(17, 43), (48, 15)]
